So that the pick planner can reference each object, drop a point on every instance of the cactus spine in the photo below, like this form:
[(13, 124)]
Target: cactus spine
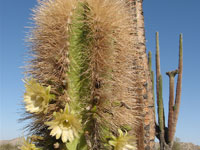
[(81, 59), (166, 134)]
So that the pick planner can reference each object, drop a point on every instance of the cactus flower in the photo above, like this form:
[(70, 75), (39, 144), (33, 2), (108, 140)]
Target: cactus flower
[(122, 141), (65, 125), (36, 97), (28, 145)]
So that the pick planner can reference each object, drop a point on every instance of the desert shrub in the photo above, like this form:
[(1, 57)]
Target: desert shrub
[(176, 145), (8, 147)]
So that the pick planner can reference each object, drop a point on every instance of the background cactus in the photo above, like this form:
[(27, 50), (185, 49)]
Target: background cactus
[(83, 52), (163, 133)]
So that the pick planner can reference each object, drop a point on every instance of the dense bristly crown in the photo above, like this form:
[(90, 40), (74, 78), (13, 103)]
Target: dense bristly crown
[(81, 58)]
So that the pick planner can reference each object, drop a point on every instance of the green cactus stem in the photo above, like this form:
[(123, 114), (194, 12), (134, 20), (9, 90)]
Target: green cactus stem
[(166, 135), (160, 109), (84, 50), (179, 85), (171, 75), (150, 61), (157, 65), (78, 75), (152, 79)]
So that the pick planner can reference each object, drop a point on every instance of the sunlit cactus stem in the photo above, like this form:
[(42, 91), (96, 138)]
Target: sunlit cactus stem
[(161, 121), (176, 106), (150, 61), (151, 73), (161, 111), (157, 65), (152, 77), (171, 75), (79, 69), (179, 82), (166, 134), (78, 74)]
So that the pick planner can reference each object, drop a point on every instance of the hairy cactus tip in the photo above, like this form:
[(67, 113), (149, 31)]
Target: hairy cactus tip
[(66, 125), (36, 97)]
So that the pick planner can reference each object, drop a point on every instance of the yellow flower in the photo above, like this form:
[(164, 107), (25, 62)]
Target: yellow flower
[(36, 97), (122, 142), (65, 125), (28, 145)]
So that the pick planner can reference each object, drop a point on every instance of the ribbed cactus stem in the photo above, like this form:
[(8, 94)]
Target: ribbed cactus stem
[(161, 117), (83, 57), (166, 135), (160, 105), (152, 77), (79, 83), (171, 75), (150, 61), (161, 112), (179, 84), (152, 73), (157, 65)]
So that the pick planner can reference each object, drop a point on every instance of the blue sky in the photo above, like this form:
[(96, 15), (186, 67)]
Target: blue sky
[(169, 18)]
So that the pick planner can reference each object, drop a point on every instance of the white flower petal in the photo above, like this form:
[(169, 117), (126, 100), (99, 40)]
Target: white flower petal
[(36, 98), (55, 131), (33, 109), (58, 134), (70, 135), (129, 147), (65, 136)]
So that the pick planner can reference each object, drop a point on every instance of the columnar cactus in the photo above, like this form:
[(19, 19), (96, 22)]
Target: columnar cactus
[(166, 134), (78, 90)]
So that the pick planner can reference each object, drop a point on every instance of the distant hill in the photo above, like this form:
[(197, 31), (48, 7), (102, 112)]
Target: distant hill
[(184, 146), (16, 141), (189, 146)]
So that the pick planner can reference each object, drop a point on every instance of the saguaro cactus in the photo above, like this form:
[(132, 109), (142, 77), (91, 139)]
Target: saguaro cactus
[(79, 88), (166, 134)]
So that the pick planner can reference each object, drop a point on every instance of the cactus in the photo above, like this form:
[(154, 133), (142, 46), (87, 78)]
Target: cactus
[(166, 134), (152, 77), (81, 57)]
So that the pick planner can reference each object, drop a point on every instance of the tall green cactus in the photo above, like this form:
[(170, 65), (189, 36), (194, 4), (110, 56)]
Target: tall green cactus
[(166, 134), (79, 75), (161, 111)]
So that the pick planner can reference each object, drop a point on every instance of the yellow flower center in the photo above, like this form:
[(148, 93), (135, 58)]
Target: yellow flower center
[(66, 124)]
